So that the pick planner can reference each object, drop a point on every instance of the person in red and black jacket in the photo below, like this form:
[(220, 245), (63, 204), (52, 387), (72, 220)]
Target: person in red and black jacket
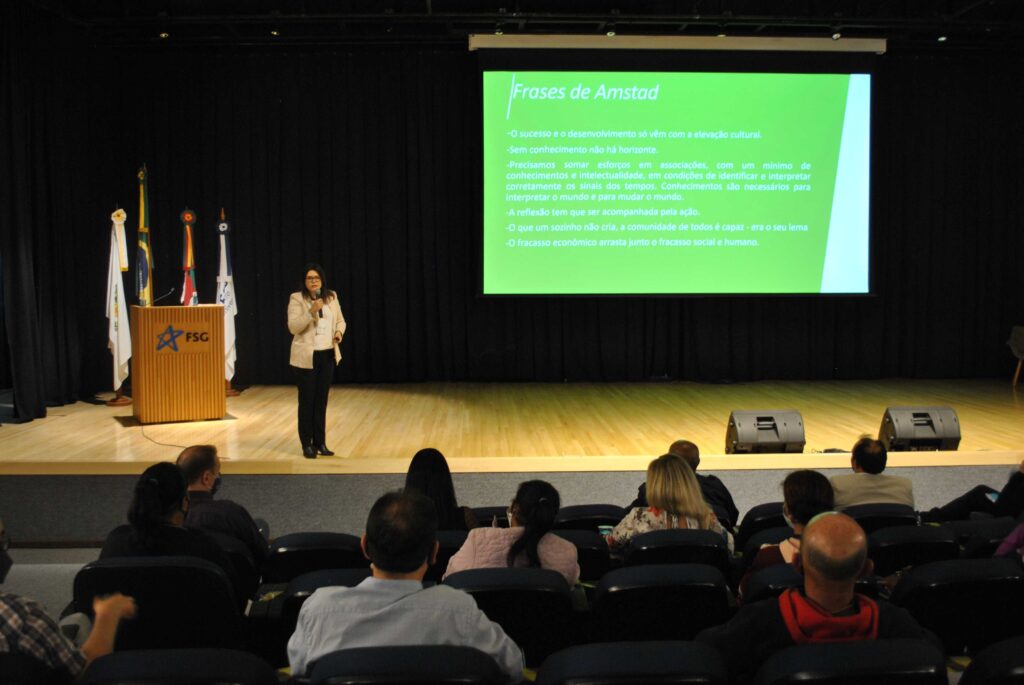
[(834, 554)]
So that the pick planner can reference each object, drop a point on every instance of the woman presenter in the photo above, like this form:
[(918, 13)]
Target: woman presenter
[(314, 318)]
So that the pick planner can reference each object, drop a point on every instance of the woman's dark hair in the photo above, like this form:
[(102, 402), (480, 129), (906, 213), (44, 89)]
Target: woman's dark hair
[(327, 294), (537, 503), (429, 476), (807, 494), (158, 494)]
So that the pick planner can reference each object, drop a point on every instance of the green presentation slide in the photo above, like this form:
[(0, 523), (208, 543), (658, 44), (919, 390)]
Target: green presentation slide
[(675, 183)]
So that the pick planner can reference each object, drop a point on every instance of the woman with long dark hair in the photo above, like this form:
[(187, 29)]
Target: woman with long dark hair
[(317, 326), (528, 541), (429, 475), (156, 518)]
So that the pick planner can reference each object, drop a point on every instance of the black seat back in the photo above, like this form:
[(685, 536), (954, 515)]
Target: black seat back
[(588, 516), (532, 605), (407, 665), (893, 662), (661, 602), (182, 601), (969, 603), (591, 552), (22, 669), (679, 546), (979, 538), (895, 548), (180, 667), (448, 543), (758, 518), (297, 553), (634, 663), (998, 664), (872, 517)]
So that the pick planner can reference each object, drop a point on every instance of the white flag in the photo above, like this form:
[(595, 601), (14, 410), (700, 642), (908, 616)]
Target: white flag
[(119, 337), (226, 297)]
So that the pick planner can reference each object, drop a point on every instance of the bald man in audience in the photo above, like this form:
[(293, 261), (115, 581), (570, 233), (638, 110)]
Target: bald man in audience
[(201, 466), (826, 609), (715, 493)]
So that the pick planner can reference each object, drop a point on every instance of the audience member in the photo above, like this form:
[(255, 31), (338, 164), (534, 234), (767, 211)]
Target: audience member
[(26, 629), (675, 501), (392, 607), (156, 518), (825, 610), (429, 475), (528, 541), (1013, 544), (201, 466), (805, 494), (715, 493), (867, 484), (1008, 502)]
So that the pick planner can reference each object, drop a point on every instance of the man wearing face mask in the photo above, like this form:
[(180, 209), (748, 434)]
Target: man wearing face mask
[(27, 630), (201, 466)]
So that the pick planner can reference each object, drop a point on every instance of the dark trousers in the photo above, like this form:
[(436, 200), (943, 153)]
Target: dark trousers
[(1009, 503), (314, 385)]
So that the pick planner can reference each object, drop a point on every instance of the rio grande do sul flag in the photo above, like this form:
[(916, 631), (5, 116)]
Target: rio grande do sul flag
[(189, 295)]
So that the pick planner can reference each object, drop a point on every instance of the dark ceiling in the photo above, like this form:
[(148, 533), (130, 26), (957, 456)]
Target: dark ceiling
[(964, 24)]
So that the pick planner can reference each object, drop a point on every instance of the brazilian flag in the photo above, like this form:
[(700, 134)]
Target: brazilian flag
[(144, 256)]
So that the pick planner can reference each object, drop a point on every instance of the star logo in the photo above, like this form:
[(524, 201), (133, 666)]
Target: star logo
[(169, 338)]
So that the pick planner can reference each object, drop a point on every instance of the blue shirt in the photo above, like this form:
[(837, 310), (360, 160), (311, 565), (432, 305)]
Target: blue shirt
[(380, 612)]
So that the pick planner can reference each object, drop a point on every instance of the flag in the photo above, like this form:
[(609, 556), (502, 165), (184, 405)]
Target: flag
[(226, 297), (144, 258), (119, 337), (189, 295)]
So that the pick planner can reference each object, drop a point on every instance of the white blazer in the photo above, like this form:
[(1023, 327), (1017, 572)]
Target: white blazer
[(302, 324)]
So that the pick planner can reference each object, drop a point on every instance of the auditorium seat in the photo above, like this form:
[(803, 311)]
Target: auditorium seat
[(283, 613), (680, 546), (768, 536), (634, 663), (297, 553), (588, 516), (21, 669), (774, 580), (758, 518), (591, 553), (872, 517), (180, 667), (407, 665), (892, 549), (969, 603), (998, 664), (448, 543), (979, 538), (182, 602), (533, 605), (486, 515), (241, 560), (661, 602), (892, 662)]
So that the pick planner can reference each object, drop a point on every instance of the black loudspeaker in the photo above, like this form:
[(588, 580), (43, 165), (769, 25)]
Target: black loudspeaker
[(906, 429), (767, 430)]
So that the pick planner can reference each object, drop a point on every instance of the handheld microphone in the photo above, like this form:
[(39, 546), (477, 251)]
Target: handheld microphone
[(166, 294), (320, 311)]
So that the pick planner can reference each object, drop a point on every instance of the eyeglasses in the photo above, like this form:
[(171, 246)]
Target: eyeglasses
[(312, 278)]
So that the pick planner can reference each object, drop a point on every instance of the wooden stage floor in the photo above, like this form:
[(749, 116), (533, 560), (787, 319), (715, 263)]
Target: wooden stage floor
[(509, 427)]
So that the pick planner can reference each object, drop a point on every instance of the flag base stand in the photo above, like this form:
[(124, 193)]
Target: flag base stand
[(119, 399), (229, 391)]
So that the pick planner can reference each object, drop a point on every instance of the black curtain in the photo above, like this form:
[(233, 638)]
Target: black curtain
[(368, 161), (36, 220)]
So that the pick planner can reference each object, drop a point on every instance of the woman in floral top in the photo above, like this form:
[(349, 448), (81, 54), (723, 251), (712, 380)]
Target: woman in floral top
[(675, 502)]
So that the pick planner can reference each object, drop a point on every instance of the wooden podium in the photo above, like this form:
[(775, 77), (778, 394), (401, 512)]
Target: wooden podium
[(178, 363)]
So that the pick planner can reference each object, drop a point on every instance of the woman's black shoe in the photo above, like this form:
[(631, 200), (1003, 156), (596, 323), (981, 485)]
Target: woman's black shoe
[(309, 452), (322, 449)]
